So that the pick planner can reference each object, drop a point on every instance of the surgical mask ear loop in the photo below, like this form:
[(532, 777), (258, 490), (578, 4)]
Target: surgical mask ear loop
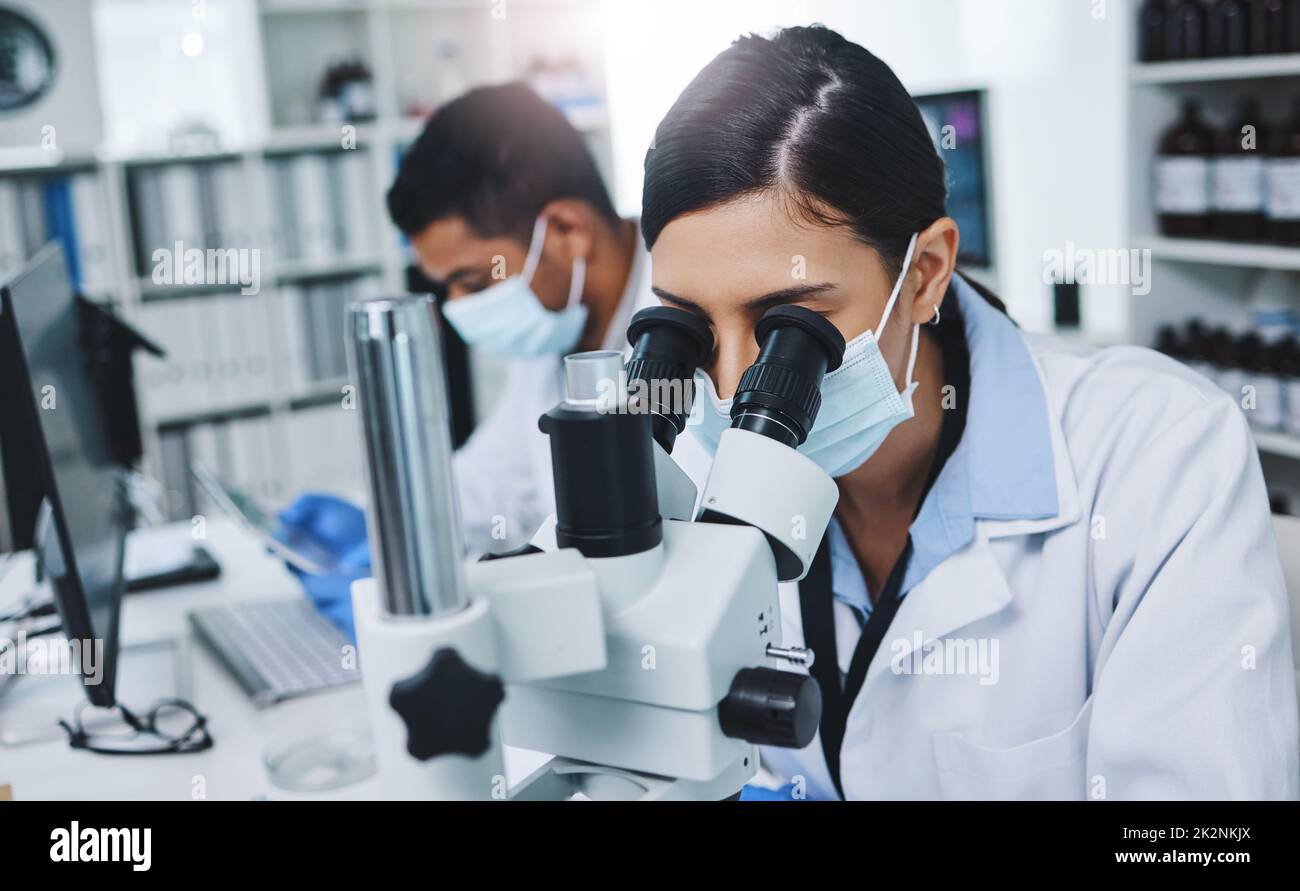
[(911, 360), (898, 286), (889, 307), (577, 279), (534, 250)]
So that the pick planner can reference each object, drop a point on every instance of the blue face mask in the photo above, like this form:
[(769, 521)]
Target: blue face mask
[(508, 319), (860, 404)]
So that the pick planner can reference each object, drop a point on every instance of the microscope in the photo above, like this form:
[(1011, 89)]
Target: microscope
[(635, 637)]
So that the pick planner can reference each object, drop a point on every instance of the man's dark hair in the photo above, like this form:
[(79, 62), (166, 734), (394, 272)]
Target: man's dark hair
[(495, 157)]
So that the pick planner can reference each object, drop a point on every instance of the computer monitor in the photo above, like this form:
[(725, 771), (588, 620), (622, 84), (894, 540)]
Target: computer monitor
[(83, 543), (958, 126)]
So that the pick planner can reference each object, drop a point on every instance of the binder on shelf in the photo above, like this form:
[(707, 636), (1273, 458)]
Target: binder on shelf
[(90, 218), (150, 223), (222, 347), (182, 206), (305, 208), (32, 206), (59, 223), (173, 446), (68, 208), (288, 359), (355, 202), (203, 447), (257, 349), (231, 209), (285, 238), (13, 238), (182, 382)]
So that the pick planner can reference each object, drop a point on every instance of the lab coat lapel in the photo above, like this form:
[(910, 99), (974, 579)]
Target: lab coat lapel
[(961, 590), (970, 584)]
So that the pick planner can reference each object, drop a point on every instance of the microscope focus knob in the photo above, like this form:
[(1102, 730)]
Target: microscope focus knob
[(448, 707), (772, 708)]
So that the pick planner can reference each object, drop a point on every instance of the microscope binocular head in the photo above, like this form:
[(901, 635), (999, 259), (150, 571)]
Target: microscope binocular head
[(668, 344), (778, 396)]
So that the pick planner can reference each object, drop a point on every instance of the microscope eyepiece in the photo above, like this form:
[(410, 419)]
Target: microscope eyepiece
[(668, 344), (780, 394)]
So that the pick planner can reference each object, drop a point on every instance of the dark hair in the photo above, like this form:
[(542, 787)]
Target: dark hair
[(810, 116), (495, 156)]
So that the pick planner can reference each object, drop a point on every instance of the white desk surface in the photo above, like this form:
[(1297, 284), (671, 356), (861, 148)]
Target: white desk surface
[(231, 769)]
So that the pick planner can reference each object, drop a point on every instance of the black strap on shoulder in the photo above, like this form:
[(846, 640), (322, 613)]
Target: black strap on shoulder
[(816, 607), (816, 602)]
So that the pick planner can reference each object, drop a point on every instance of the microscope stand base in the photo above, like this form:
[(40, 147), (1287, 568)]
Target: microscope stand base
[(560, 779)]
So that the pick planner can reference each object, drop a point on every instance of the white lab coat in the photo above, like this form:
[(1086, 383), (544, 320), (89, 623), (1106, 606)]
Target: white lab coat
[(1142, 631), (503, 471)]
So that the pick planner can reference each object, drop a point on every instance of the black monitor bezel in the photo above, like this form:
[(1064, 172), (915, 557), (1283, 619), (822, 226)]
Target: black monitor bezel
[(69, 593)]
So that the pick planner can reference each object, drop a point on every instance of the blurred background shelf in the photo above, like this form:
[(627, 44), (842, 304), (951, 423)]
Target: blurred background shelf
[(1281, 444), (1199, 70), (271, 127), (1227, 308), (298, 270), (277, 125), (1224, 253)]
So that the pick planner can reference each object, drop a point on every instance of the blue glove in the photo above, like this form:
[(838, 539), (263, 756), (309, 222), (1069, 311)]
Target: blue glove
[(759, 793), (333, 523), (340, 527)]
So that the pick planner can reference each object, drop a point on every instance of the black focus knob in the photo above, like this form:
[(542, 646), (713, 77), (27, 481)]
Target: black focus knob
[(447, 706), (772, 708)]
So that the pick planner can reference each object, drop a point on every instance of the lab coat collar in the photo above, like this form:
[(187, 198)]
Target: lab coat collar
[(1010, 473), (959, 591), (1008, 427)]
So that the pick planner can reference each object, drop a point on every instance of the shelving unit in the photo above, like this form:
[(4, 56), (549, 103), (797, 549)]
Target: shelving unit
[(1250, 68), (1281, 444), (412, 48), (1221, 253), (1195, 277)]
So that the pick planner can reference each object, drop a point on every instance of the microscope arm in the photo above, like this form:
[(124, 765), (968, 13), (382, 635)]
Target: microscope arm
[(677, 492), (792, 506), (546, 614)]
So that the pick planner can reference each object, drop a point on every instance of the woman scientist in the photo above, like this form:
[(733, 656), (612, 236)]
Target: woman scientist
[(1051, 571)]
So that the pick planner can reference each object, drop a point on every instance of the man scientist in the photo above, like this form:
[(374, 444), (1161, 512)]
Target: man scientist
[(507, 214)]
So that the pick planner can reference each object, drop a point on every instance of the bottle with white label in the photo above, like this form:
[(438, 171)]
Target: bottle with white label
[(1182, 176), (1283, 182), (1237, 178), (1265, 399)]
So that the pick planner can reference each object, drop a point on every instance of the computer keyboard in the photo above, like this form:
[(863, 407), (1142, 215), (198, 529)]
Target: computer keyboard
[(277, 649)]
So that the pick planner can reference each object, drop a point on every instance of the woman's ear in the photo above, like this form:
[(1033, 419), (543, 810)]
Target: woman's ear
[(933, 262), (569, 230)]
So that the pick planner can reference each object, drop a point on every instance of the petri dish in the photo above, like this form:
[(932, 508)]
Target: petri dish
[(323, 764)]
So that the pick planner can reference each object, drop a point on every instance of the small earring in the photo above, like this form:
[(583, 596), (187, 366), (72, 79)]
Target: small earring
[(934, 321)]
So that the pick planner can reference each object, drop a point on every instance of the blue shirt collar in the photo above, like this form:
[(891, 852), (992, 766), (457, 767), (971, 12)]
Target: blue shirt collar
[(1002, 469)]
